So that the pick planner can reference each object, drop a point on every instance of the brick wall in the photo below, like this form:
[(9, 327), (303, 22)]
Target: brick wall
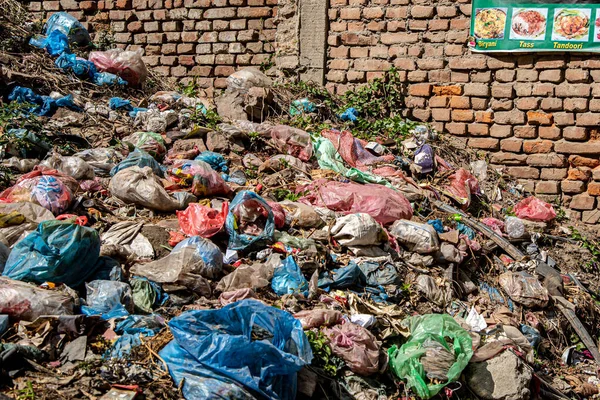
[(538, 115), (206, 39)]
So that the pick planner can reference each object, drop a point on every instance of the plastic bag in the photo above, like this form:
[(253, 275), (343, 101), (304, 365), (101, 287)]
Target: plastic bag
[(101, 159), (58, 251), (358, 230), (299, 215), (80, 67), (150, 142), (249, 343), (208, 252), (56, 43), (357, 347), (255, 276), (215, 160), (405, 362), (495, 224), (200, 177), (138, 158), (236, 295), (248, 78), (74, 167), (416, 237), (140, 186), (318, 317), (199, 220), (69, 26), (524, 289), (379, 274), (292, 141), (109, 299), (278, 214), (147, 325), (146, 294), (250, 220), (462, 186), (288, 278), (280, 162), (302, 106), (125, 64), (534, 209), (23, 301), (380, 202), (44, 106), (424, 159), (352, 150)]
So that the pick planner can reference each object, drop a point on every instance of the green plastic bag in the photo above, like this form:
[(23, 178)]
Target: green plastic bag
[(329, 158), (405, 362)]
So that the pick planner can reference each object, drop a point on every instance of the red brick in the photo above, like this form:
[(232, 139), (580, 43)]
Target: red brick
[(547, 187), (523, 172), (549, 132), (420, 89), (594, 188), (439, 101), (456, 128), (478, 129), (553, 174), (539, 118), (508, 158), (484, 143), (499, 131), (547, 160), (575, 133), (537, 146), (580, 174), (579, 148), (452, 90), (572, 186), (582, 202), (486, 117), (512, 145), (579, 161)]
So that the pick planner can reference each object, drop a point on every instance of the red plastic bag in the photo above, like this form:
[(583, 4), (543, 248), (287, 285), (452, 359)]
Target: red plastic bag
[(278, 214), (380, 202), (199, 220), (293, 141), (352, 149), (126, 64), (462, 186), (495, 224), (175, 238), (534, 209)]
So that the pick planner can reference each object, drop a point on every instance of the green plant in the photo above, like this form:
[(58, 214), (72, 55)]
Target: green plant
[(561, 214), (268, 63), (322, 355), (593, 265), (285, 194), (26, 393), (190, 89)]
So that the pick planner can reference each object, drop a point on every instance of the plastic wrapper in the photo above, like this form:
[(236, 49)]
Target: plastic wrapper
[(380, 202), (534, 209), (140, 186), (431, 336), (416, 237), (318, 317), (69, 26), (150, 142), (299, 215), (200, 177), (74, 167), (213, 348), (23, 301), (357, 347), (288, 278), (138, 158), (358, 230), (424, 159), (292, 141), (58, 251), (109, 299), (524, 289), (278, 214), (254, 276), (250, 220), (44, 106), (101, 159), (128, 65), (352, 150), (199, 220), (462, 186)]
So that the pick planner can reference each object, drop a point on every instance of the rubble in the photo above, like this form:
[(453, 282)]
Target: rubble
[(162, 245)]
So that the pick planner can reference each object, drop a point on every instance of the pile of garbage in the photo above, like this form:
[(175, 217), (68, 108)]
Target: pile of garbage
[(214, 251)]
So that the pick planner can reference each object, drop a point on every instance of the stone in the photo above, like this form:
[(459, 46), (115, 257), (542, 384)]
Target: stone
[(504, 377), (217, 142)]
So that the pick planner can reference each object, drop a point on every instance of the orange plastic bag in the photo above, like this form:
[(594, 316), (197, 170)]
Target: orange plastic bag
[(199, 220)]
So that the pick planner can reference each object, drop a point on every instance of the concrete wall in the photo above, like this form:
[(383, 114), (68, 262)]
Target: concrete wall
[(537, 115)]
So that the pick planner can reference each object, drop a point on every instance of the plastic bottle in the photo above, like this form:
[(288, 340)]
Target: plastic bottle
[(514, 227)]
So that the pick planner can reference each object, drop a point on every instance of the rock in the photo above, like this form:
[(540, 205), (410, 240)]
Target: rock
[(504, 377), (230, 105), (183, 145), (217, 142), (250, 160)]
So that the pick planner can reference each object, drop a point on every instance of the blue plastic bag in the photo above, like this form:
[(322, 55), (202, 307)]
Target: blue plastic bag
[(79, 67), (288, 278), (215, 160), (45, 105), (147, 325), (56, 43), (342, 278), (57, 251), (68, 25), (109, 299), (301, 106), (107, 269), (349, 115), (437, 225), (108, 79), (207, 251), (117, 103), (123, 346), (252, 206), (248, 342), (138, 158)]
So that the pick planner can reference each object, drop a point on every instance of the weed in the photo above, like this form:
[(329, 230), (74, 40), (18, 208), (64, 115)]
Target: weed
[(285, 194), (322, 356), (593, 265), (191, 89), (26, 393)]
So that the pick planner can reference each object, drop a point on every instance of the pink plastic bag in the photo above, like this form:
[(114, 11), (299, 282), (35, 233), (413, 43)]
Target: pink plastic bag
[(495, 224), (126, 64), (199, 176), (534, 209), (462, 186), (318, 317), (352, 149), (278, 214), (358, 347), (292, 141), (199, 220), (380, 202), (43, 186)]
